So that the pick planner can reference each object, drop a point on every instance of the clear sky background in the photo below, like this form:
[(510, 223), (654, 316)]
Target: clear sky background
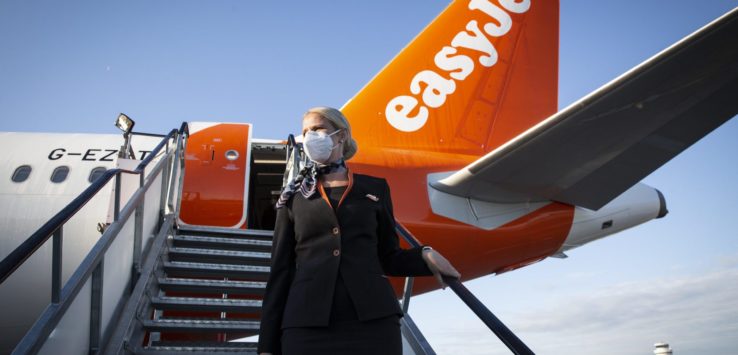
[(72, 66)]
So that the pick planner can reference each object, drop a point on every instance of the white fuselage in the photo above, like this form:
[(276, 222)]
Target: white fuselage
[(28, 204)]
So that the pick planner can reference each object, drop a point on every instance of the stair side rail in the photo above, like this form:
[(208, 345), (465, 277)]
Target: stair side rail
[(495, 325), (90, 273)]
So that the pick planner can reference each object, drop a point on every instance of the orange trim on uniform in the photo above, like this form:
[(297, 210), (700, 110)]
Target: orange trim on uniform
[(345, 193), (351, 183), (322, 193)]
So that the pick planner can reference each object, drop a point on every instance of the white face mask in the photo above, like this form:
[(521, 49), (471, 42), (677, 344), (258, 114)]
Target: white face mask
[(319, 145)]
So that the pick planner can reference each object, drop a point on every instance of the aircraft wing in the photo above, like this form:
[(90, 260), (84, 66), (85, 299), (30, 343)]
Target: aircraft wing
[(595, 149)]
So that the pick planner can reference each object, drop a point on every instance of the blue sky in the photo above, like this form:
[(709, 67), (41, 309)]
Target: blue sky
[(72, 66)]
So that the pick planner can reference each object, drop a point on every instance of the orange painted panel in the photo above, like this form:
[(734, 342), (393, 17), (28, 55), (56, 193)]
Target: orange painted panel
[(214, 188)]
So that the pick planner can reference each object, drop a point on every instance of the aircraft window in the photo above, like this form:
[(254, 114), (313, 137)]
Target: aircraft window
[(21, 174), (60, 174), (96, 173)]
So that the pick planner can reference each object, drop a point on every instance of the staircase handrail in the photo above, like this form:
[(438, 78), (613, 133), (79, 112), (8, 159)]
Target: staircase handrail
[(503, 333)]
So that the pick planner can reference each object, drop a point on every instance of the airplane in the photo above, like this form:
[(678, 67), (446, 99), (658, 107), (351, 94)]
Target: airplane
[(431, 136)]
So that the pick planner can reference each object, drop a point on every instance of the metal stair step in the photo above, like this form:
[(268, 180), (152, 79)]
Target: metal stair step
[(153, 350), (190, 344), (212, 286), (200, 348), (201, 325), (192, 241), (226, 232), (250, 272), (205, 304), (219, 256)]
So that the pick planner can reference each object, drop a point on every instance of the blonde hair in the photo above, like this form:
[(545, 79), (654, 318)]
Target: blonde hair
[(339, 121)]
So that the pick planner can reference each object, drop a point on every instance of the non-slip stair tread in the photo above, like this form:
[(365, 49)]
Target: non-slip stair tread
[(187, 344), (204, 322), (212, 256), (212, 286), (198, 301), (205, 349), (209, 351), (208, 266), (174, 325), (225, 231), (219, 240), (251, 254), (213, 283), (207, 326), (158, 350), (236, 271), (195, 304), (191, 318)]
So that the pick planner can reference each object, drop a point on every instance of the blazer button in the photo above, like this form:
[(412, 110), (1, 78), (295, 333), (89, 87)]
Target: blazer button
[(336, 252), (335, 230)]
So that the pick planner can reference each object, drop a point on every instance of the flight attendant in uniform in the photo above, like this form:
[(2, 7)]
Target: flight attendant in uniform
[(334, 243)]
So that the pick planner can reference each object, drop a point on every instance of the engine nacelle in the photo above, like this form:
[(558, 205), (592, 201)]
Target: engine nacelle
[(639, 204)]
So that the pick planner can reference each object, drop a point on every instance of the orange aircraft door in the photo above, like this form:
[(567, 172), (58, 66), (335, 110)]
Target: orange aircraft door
[(216, 176)]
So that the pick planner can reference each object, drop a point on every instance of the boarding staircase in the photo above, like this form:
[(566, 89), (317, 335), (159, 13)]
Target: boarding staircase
[(206, 285), (152, 285)]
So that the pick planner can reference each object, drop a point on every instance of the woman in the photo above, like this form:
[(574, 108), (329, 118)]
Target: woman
[(334, 242)]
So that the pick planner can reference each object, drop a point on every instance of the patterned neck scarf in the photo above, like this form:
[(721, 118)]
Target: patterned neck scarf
[(307, 180)]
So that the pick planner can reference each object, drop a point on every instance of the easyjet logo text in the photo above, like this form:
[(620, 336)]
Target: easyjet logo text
[(433, 87)]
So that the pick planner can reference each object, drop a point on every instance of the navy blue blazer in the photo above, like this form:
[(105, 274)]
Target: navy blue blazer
[(311, 243)]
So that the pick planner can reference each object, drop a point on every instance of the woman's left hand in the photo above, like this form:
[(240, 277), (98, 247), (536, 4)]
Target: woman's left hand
[(439, 265)]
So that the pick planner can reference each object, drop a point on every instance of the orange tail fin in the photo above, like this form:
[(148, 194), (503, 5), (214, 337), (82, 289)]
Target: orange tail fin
[(481, 73)]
